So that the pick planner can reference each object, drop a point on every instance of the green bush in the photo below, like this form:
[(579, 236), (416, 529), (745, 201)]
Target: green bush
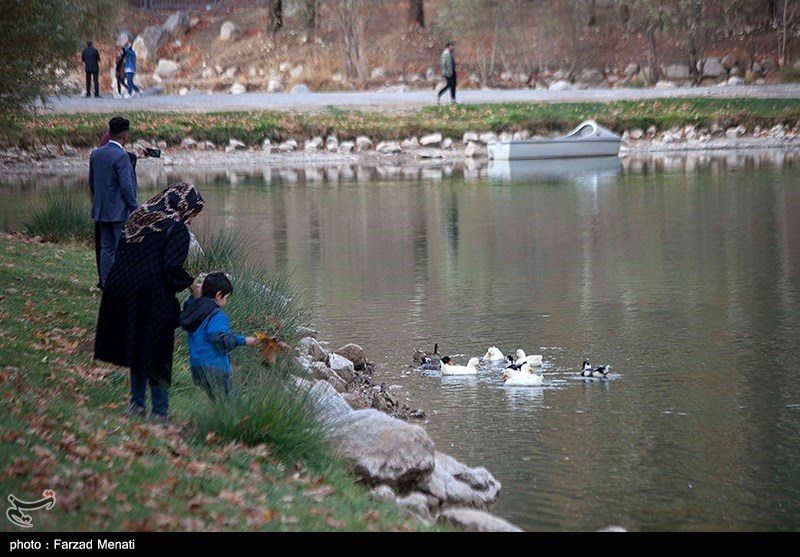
[(61, 219)]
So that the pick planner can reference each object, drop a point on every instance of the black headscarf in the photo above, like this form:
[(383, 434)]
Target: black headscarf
[(176, 203)]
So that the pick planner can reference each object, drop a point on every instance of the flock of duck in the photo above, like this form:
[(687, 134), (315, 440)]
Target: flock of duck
[(518, 371)]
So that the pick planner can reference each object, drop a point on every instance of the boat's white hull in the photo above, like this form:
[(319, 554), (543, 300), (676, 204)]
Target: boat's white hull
[(587, 140)]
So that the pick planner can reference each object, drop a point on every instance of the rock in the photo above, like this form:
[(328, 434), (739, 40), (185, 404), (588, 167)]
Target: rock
[(431, 139), (166, 68), (676, 71), (383, 450), (346, 146), (561, 85), (363, 143), (355, 354), (300, 88), (229, 31), (388, 147), (471, 149), (454, 484), (69, 150), (713, 68), (275, 86), (177, 24), (236, 144), (473, 520), (148, 42), (469, 136)]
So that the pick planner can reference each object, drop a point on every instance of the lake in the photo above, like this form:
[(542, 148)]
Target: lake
[(681, 271)]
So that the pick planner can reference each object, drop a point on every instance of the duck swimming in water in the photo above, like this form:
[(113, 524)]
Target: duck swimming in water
[(534, 359), (420, 355), (493, 354), (521, 377), (449, 368), (598, 372)]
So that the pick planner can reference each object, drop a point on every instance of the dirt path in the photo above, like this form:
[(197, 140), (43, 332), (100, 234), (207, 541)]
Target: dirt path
[(398, 101)]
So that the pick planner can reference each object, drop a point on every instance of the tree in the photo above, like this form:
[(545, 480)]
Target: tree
[(785, 22), (416, 12), (40, 40), (275, 16), (647, 18), (351, 18), (309, 13), (695, 23)]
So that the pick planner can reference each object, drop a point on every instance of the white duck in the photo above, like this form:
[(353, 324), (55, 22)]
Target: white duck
[(522, 377), (449, 368), (493, 354), (534, 359), (599, 372)]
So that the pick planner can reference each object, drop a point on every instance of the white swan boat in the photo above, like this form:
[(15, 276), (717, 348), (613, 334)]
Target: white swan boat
[(589, 139)]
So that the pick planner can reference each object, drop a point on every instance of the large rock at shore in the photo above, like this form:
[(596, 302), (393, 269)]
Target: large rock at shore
[(454, 484), (383, 450)]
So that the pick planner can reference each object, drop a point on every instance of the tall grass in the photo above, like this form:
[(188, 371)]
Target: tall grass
[(267, 407), (61, 218)]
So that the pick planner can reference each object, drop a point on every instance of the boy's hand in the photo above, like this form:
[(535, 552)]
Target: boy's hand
[(251, 341)]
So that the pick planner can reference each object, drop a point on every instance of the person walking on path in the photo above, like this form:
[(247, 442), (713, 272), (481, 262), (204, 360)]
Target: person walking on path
[(91, 63), (112, 188), (139, 308), (209, 335), (130, 69), (119, 71), (448, 72)]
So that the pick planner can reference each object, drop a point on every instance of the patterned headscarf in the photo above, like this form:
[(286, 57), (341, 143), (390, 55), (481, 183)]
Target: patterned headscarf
[(178, 202)]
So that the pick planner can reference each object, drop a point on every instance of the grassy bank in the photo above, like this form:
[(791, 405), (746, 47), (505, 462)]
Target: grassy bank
[(62, 429), (84, 130)]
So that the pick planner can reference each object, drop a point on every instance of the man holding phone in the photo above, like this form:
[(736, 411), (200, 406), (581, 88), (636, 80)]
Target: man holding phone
[(112, 187)]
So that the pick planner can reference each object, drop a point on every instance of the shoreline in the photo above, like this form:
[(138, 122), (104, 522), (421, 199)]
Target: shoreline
[(20, 163)]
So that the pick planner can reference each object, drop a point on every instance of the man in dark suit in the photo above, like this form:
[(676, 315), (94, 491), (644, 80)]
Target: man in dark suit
[(91, 62), (112, 185)]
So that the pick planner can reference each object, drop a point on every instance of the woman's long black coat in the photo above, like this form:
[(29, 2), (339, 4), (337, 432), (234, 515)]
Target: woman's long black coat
[(139, 308)]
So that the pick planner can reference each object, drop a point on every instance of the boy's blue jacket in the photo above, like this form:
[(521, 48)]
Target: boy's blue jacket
[(210, 336)]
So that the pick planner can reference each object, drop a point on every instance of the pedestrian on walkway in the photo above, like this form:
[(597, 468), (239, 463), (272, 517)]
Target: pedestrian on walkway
[(91, 64), (448, 72), (130, 69)]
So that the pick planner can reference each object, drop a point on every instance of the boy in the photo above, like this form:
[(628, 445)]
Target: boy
[(210, 337)]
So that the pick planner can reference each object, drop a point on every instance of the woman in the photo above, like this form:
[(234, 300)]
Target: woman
[(139, 308), (119, 71)]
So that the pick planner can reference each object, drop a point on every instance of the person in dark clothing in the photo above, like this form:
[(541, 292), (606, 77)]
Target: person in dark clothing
[(448, 63), (112, 189), (119, 71), (139, 308), (209, 335), (91, 63)]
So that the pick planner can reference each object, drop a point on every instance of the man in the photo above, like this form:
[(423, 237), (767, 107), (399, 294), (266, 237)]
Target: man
[(448, 72), (112, 185), (91, 63), (130, 69)]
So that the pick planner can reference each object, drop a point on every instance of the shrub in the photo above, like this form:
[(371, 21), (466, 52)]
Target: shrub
[(61, 219)]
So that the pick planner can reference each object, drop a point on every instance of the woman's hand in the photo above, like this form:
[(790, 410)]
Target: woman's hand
[(196, 289)]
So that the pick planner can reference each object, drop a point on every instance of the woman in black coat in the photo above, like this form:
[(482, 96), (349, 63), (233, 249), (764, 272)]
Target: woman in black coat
[(139, 308)]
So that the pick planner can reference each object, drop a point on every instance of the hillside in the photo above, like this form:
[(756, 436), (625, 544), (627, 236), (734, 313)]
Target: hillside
[(516, 45)]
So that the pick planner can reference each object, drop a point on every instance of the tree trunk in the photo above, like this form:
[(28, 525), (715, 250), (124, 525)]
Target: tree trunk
[(310, 13), (416, 12), (275, 16)]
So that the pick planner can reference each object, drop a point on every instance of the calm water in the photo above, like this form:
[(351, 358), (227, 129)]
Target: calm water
[(683, 273)]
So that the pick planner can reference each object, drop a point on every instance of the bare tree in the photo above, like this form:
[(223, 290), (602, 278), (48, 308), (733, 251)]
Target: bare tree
[(647, 18), (351, 18), (416, 12), (310, 13), (745, 18), (275, 16), (572, 17), (786, 21), (695, 23)]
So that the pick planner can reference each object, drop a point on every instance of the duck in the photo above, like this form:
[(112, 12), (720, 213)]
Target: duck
[(420, 355), (599, 372), (493, 354), (534, 359), (449, 368), (521, 377), (430, 364)]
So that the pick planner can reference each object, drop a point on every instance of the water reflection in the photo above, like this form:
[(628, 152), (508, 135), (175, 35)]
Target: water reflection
[(682, 272)]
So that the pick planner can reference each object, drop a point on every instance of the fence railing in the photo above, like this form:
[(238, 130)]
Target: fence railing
[(219, 6)]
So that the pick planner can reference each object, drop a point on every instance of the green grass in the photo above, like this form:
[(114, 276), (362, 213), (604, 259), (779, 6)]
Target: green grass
[(252, 127), (61, 218), (62, 427)]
